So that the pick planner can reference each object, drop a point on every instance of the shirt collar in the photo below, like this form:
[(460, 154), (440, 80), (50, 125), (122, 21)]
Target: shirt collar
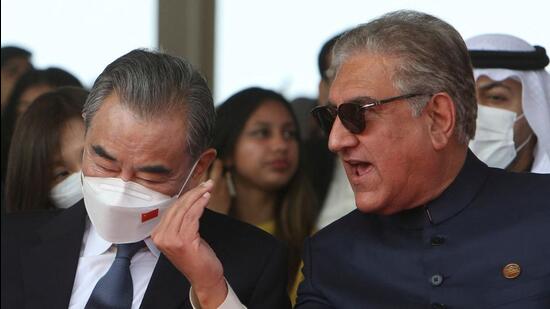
[(452, 201), (95, 245)]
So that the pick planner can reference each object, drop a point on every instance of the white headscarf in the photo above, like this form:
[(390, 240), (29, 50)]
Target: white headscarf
[(535, 91)]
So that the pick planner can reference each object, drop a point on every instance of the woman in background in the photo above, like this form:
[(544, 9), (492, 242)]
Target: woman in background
[(31, 85), (259, 175), (44, 164)]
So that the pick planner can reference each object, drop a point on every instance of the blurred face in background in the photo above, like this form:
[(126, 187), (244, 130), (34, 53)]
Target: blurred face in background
[(71, 145), (266, 152), (30, 94), (505, 95), (10, 73)]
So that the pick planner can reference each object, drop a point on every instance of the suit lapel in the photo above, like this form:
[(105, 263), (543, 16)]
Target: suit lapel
[(168, 288), (50, 262)]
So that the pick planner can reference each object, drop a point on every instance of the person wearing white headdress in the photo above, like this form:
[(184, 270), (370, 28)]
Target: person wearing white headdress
[(513, 91)]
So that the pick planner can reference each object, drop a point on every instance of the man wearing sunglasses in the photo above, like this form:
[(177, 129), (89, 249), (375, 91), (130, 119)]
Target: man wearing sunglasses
[(434, 226)]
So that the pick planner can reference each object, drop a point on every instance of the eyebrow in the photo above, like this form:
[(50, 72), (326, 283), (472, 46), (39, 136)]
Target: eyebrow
[(261, 123), (155, 169), (267, 124), (363, 100), (102, 153), (152, 169), (493, 85)]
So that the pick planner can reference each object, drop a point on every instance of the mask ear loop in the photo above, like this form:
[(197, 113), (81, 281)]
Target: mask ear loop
[(520, 117), (188, 177), (520, 147)]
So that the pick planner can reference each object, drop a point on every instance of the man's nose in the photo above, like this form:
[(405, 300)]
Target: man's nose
[(340, 137), (126, 175)]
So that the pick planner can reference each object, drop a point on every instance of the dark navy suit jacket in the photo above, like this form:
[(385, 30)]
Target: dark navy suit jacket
[(449, 254), (40, 253)]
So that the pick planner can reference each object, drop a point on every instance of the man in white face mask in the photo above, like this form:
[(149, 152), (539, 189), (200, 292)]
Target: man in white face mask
[(141, 237), (513, 90)]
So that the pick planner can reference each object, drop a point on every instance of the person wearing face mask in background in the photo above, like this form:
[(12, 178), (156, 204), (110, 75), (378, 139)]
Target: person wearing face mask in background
[(141, 237), (44, 165), (513, 92), (28, 87)]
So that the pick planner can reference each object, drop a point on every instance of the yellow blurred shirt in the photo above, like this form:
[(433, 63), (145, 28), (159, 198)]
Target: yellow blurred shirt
[(269, 227)]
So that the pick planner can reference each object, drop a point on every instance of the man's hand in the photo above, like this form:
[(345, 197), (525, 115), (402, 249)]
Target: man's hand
[(177, 236)]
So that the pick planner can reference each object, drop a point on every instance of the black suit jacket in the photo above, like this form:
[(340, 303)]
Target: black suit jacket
[(449, 254), (40, 253)]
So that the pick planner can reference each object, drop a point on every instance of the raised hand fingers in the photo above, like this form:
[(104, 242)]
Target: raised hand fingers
[(171, 220), (190, 222), (185, 202)]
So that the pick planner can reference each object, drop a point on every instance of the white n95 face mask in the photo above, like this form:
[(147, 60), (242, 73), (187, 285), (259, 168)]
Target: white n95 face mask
[(68, 192), (125, 212), (494, 138)]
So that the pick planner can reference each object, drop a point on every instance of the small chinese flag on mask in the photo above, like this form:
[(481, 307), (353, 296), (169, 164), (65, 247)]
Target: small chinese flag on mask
[(149, 215)]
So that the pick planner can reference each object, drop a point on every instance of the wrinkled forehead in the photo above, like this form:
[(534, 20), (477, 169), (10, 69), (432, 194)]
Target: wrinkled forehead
[(123, 131)]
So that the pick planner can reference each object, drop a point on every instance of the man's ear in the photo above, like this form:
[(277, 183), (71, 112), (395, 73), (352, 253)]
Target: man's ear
[(206, 158), (441, 114)]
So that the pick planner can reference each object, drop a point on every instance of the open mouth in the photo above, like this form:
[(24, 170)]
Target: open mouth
[(359, 168)]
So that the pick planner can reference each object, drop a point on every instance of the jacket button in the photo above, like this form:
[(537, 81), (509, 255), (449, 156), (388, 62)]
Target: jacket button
[(436, 280), (438, 240), (511, 271), (438, 306)]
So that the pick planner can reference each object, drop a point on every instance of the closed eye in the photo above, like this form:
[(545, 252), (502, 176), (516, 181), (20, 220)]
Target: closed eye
[(497, 98), (58, 175)]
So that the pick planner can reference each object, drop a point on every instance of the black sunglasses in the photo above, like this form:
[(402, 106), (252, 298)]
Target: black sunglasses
[(351, 114)]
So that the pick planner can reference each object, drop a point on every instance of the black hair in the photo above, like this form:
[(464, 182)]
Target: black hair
[(232, 115), (53, 77), (38, 132), (11, 52), (295, 210)]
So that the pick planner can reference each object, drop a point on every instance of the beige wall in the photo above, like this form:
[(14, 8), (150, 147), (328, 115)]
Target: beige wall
[(186, 29)]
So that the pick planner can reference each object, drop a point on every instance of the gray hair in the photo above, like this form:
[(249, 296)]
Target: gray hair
[(152, 84), (432, 57)]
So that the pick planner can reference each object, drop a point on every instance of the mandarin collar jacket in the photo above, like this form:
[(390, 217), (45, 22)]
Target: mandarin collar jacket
[(454, 252)]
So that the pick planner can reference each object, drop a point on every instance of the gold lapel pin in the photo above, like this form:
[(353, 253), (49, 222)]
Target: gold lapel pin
[(511, 271)]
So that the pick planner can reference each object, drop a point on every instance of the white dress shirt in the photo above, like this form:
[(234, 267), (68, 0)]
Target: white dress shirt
[(96, 257), (541, 163)]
